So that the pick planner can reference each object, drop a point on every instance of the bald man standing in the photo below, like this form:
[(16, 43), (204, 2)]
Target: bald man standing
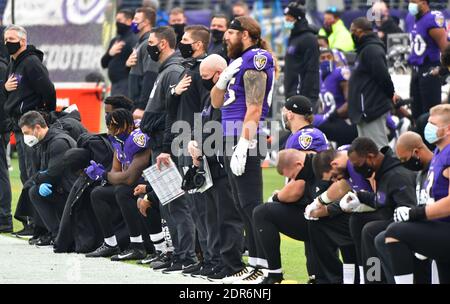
[(415, 156), (224, 224)]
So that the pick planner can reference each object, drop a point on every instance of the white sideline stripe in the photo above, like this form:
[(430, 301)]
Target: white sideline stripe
[(21, 263)]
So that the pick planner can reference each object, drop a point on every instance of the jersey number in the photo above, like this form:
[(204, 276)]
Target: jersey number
[(418, 45)]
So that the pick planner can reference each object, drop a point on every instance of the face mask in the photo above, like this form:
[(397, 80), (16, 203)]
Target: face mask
[(289, 25), (12, 47), (185, 50), (364, 170), (179, 30), (413, 8), (217, 35), (355, 39), (431, 133), (413, 164), (154, 52), (122, 28), (326, 67), (135, 27), (208, 84), (30, 140)]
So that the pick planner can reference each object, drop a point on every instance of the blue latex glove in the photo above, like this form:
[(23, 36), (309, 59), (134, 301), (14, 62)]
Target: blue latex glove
[(45, 190), (95, 171)]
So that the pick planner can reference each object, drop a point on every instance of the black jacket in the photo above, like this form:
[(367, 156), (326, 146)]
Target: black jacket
[(4, 121), (116, 65), (301, 71), (51, 152), (153, 122), (389, 26), (69, 122), (396, 185), (370, 86), (35, 90), (218, 48)]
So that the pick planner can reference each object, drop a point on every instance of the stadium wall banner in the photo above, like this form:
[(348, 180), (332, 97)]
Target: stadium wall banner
[(69, 32)]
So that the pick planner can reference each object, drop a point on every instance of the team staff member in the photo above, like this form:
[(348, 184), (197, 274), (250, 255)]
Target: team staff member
[(143, 70), (243, 93), (302, 56), (119, 50), (218, 27), (334, 29), (53, 183), (426, 227), (428, 39), (371, 91)]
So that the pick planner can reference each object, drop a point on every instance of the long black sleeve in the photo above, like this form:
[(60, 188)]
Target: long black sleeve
[(375, 59), (42, 85), (107, 58)]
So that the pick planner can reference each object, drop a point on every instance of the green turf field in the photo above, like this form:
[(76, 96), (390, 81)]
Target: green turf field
[(294, 262)]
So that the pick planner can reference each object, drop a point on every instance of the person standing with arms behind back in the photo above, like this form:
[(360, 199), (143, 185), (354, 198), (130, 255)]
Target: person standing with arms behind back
[(371, 91), (118, 53), (302, 55)]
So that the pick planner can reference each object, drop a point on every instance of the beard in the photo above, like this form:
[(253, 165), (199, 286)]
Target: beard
[(235, 50)]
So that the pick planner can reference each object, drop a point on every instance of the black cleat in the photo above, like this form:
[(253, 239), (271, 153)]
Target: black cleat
[(162, 262), (149, 258), (206, 271), (104, 251), (45, 241), (27, 231), (7, 228), (134, 253), (312, 280), (272, 278), (178, 267), (194, 268)]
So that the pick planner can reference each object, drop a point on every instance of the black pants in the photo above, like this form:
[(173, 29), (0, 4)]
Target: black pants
[(224, 224), (425, 90), (122, 195), (271, 219), (428, 238), (339, 131), (5, 185), (327, 235), (247, 191), (49, 209)]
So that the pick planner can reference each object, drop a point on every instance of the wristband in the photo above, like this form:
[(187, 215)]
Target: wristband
[(275, 198), (324, 199), (417, 213)]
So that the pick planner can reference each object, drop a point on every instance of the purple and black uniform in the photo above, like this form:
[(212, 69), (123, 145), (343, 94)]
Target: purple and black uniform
[(355, 180), (435, 178), (125, 150), (331, 94), (235, 106), (423, 47), (308, 139)]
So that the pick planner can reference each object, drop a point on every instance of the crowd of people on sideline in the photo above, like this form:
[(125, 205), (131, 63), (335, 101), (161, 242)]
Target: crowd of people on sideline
[(369, 201)]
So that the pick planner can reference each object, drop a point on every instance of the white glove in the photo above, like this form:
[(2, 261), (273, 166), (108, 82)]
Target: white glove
[(349, 202), (310, 208), (420, 257), (229, 73), (239, 158), (401, 214)]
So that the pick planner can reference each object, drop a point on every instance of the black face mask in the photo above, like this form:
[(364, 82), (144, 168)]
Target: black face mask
[(413, 164), (179, 30), (364, 170), (217, 35), (208, 84), (355, 39), (185, 50), (122, 28), (12, 47), (154, 52)]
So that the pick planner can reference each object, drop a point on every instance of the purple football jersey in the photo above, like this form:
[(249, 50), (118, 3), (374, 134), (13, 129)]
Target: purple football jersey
[(308, 139), (235, 106), (331, 94), (440, 162), (422, 44), (356, 180), (135, 143)]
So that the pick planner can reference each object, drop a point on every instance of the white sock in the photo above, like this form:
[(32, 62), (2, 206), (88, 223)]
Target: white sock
[(252, 261), (136, 239), (262, 263), (275, 271), (156, 238), (111, 241), (361, 275), (349, 273), (404, 279), (434, 273)]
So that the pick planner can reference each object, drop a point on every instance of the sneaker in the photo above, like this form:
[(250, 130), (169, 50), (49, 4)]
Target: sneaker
[(204, 272), (178, 267), (255, 277), (135, 252), (219, 276), (240, 275), (312, 280), (32, 241), (272, 278), (194, 268), (8, 228), (162, 262), (27, 231), (104, 251), (45, 241), (150, 258)]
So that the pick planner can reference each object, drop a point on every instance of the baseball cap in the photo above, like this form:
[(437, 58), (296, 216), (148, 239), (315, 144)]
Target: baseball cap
[(299, 105)]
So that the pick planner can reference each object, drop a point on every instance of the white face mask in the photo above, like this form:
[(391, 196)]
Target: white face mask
[(30, 140)]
